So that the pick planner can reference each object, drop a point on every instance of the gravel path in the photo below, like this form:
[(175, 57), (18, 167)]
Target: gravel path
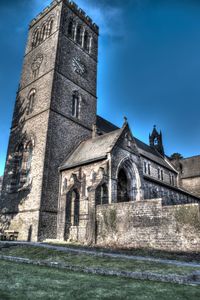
[(105, 254)]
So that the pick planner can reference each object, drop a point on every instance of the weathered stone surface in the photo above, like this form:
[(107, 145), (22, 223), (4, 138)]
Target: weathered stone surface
[(149, 224)]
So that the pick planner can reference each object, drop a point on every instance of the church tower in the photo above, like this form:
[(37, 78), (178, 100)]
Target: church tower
[(55, 110)]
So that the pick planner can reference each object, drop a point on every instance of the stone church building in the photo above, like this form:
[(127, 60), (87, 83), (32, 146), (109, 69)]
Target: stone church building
[(72, 175)]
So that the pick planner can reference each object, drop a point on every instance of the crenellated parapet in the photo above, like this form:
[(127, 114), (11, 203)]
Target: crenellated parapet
[(74, 7)]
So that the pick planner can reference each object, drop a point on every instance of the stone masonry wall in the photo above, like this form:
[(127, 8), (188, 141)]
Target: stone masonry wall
[(148, 224), (191, 184)]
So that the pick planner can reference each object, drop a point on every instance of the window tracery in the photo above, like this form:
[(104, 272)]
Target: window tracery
[(43, 32)]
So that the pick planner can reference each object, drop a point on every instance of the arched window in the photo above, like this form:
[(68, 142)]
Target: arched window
[(122, 187), (79, 35), (76, 201), (102, 194), (149, 169), (50, 27), (43, 32), (75, 105), (86, 41), (145, 167), (71, 29), (36, 38), (90, 45), (159, 173), (31, 100)]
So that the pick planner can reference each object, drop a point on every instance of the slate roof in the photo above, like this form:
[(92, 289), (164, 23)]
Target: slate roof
[(104, 125), (97, 148), (92, 149), (153, 155)]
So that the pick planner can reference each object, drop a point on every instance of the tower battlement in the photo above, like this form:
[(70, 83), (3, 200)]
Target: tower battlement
[(74, 7)]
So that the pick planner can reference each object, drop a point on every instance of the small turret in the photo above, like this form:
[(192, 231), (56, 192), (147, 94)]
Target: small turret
[(155, 140)]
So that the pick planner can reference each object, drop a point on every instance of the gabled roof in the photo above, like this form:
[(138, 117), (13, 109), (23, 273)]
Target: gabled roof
[(92, 149)]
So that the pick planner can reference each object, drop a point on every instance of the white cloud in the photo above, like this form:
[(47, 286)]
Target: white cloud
[(108, 18)]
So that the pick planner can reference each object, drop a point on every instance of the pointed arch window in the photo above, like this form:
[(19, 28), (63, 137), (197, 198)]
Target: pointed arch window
[(145, 167), (75, 105), (43, 32), (71, 29), (76, 200), (79, 35), (86, 41), (31, 101), (102, 194), (50, 27), (36, 38), (149, 168)]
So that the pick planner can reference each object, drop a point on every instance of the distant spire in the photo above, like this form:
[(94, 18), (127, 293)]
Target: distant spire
[(155, 140), (125, 120)]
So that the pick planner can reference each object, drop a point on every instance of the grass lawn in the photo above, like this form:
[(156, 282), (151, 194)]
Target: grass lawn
[(27, 282), (84, 260), (182, 256)]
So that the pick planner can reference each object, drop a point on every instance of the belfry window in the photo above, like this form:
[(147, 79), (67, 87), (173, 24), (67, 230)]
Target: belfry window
[(78, 35), (158, 173), (145, 167), (43, 33), (50, 27), (71, 29), (31, 101), (149, 169), (161, 175), (75, 105), (86, 42), (36, 38)]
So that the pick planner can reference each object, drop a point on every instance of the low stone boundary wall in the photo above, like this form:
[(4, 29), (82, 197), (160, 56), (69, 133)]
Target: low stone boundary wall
[(172, 278), (148, 224)]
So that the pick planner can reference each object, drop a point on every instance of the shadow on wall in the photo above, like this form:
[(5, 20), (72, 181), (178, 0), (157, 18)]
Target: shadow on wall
[(17, 176)]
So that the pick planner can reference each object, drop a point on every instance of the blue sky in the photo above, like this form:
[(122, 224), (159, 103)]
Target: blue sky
[(149, 66)]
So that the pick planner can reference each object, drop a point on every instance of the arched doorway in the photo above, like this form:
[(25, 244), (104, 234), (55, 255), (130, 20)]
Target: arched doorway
[(128, 182), (72, 214), (122, 187)]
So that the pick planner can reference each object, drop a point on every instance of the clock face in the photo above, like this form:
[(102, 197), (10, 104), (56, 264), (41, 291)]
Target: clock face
[(78, 66)]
